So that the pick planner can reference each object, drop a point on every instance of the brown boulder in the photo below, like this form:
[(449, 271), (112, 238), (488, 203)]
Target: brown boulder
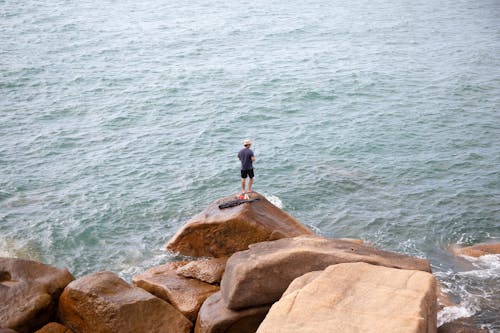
[(358, 297), (185, 294), (219, 232), (7, 330), (215, 317), (477, 250), (29, 292), (262, 273), (104, 303), (54, 328), (207, 270)]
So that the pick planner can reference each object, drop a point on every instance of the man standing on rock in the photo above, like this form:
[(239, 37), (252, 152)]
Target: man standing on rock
[(246, 157)]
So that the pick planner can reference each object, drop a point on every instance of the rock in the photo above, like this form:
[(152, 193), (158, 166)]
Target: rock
[(54, 328), (460, 326), (104, 303), (206, 270), (221, 232), (215, 317), (185, 294), (7, 330), (262, 273), (477, 250), (301, 282), (29, 292), (358, 297)]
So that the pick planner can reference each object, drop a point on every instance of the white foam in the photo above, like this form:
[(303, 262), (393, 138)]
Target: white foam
[(274, 200), (451, 313)]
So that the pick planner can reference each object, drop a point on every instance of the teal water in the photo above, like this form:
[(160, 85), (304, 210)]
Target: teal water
[(376, 120)]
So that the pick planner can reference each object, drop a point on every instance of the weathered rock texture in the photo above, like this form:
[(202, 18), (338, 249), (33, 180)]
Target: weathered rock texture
[(358, 297), (477, 250), (261, 274), (104, 303), (221, 232), (206, 270), (185, 294), (29, 292), (54, 328), (215, 317)]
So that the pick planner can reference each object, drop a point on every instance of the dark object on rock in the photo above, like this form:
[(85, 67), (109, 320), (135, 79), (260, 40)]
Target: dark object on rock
[(262, 273), (104, 303), (215, 317), (185, 294), (29, 292), (221, 232), (237, 202)]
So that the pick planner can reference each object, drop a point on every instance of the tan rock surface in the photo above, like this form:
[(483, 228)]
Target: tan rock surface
[(104, 303), (207, 270), (185, 294), (215, 317), (477, 250), (358, 297), (54, 328), (29, 292), (262, 273), (221, 232)]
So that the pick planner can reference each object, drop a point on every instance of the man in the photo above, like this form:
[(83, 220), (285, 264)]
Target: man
[(246, 157)]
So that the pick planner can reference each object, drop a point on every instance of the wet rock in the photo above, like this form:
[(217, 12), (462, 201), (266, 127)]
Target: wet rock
[(460, 326), (185, 294), (104, 303), (221, 232), (477, 250), (29, 292), (262, 273), (207, 270), (54, 328), (357, 297), (215, 317)]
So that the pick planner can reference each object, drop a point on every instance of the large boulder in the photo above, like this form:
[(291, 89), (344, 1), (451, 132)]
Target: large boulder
[(215, 317), (208, 270), (185, 294), (477, 250), (29, 292), (357, 297), (54, 328), (262, 273), (104, 303), (219, 232)]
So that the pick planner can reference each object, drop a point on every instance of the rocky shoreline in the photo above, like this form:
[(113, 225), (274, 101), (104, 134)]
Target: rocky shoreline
[(254, 268)]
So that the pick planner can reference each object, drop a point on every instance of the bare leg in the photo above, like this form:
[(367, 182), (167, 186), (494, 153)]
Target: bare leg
[(243, 183), (250, 182)]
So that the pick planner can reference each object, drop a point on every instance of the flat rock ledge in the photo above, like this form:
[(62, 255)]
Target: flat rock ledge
[(356, 297)]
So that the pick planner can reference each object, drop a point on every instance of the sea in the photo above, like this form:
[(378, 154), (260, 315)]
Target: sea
[(378, 120)]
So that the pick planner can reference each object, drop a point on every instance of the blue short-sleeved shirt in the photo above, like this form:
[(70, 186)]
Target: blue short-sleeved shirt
[(245, 156)]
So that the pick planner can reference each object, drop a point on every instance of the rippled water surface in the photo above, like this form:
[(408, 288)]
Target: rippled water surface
[(119, 120)]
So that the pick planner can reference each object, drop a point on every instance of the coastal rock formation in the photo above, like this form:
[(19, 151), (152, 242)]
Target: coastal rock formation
[(207, 270), (262, 273), (357, 297), (185, 294), (477, 250), (460, 326), (54, 328), (29, 292), (104, 303), (215, 317), (219, 232)]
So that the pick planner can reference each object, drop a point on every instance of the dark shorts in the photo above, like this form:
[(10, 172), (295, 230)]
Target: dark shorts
[(247, 173)]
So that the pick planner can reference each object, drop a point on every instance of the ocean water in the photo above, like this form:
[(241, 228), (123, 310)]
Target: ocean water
[(380, 120)]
